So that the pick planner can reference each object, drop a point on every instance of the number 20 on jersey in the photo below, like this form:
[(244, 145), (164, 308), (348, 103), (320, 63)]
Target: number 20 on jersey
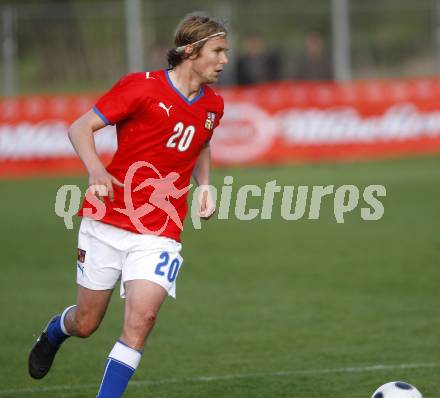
[(182, 137)]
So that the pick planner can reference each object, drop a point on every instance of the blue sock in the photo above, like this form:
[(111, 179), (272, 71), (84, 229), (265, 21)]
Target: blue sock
[(55, 333), (119, 367)]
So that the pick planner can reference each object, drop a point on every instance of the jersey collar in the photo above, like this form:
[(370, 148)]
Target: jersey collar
[(189, 102)]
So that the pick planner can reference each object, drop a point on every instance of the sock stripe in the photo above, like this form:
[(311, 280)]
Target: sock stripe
[(126, 355), (63, 315), (103, 376)]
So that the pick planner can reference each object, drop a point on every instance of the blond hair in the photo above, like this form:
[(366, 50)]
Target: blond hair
[(193, 29)]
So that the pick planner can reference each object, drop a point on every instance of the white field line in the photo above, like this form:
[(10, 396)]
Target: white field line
[(201, 379)]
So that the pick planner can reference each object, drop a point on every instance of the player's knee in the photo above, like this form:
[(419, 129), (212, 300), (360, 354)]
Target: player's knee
[(147, 319), (150, 318), (142, 322), (85, 327)]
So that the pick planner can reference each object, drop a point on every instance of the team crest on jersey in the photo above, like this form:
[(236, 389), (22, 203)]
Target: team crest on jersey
[(81, 255), (210, 120)]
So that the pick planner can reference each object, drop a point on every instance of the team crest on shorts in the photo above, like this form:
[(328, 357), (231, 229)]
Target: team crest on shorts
[(210, 120), (81, 255)]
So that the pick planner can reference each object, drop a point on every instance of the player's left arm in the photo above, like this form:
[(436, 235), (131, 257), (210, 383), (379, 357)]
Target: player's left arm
[(202, 174)]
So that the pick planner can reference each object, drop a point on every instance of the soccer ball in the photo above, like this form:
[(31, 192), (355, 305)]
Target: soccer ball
[(397, 389)]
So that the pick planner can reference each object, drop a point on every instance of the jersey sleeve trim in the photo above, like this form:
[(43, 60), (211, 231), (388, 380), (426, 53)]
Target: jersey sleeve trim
[(99, 113)]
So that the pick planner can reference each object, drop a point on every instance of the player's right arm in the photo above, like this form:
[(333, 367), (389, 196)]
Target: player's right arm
[(81, 136)]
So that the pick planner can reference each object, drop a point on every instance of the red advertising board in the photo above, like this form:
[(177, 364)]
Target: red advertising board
[(285, 122)]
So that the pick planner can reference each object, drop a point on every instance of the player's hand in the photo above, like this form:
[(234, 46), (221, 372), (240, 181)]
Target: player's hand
[(101, 184), (206, 204)]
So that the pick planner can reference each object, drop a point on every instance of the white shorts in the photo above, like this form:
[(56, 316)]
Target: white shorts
[(107, 253)]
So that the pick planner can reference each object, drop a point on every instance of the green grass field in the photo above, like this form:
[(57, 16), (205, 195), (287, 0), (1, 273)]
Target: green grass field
[(272, 308)]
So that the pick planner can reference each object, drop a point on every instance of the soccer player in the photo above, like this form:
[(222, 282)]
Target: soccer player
[(164, 122)]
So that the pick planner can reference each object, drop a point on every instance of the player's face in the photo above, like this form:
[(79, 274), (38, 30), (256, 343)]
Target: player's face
[(211, 60)]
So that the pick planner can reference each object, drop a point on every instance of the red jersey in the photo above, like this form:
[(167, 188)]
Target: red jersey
[(160, 134)]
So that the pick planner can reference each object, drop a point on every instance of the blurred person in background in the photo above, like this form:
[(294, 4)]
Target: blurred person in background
[(167, 118), (314, 61), (256, 63)]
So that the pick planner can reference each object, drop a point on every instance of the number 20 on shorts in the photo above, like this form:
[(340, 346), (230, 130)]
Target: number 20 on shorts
[(173, 267)]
